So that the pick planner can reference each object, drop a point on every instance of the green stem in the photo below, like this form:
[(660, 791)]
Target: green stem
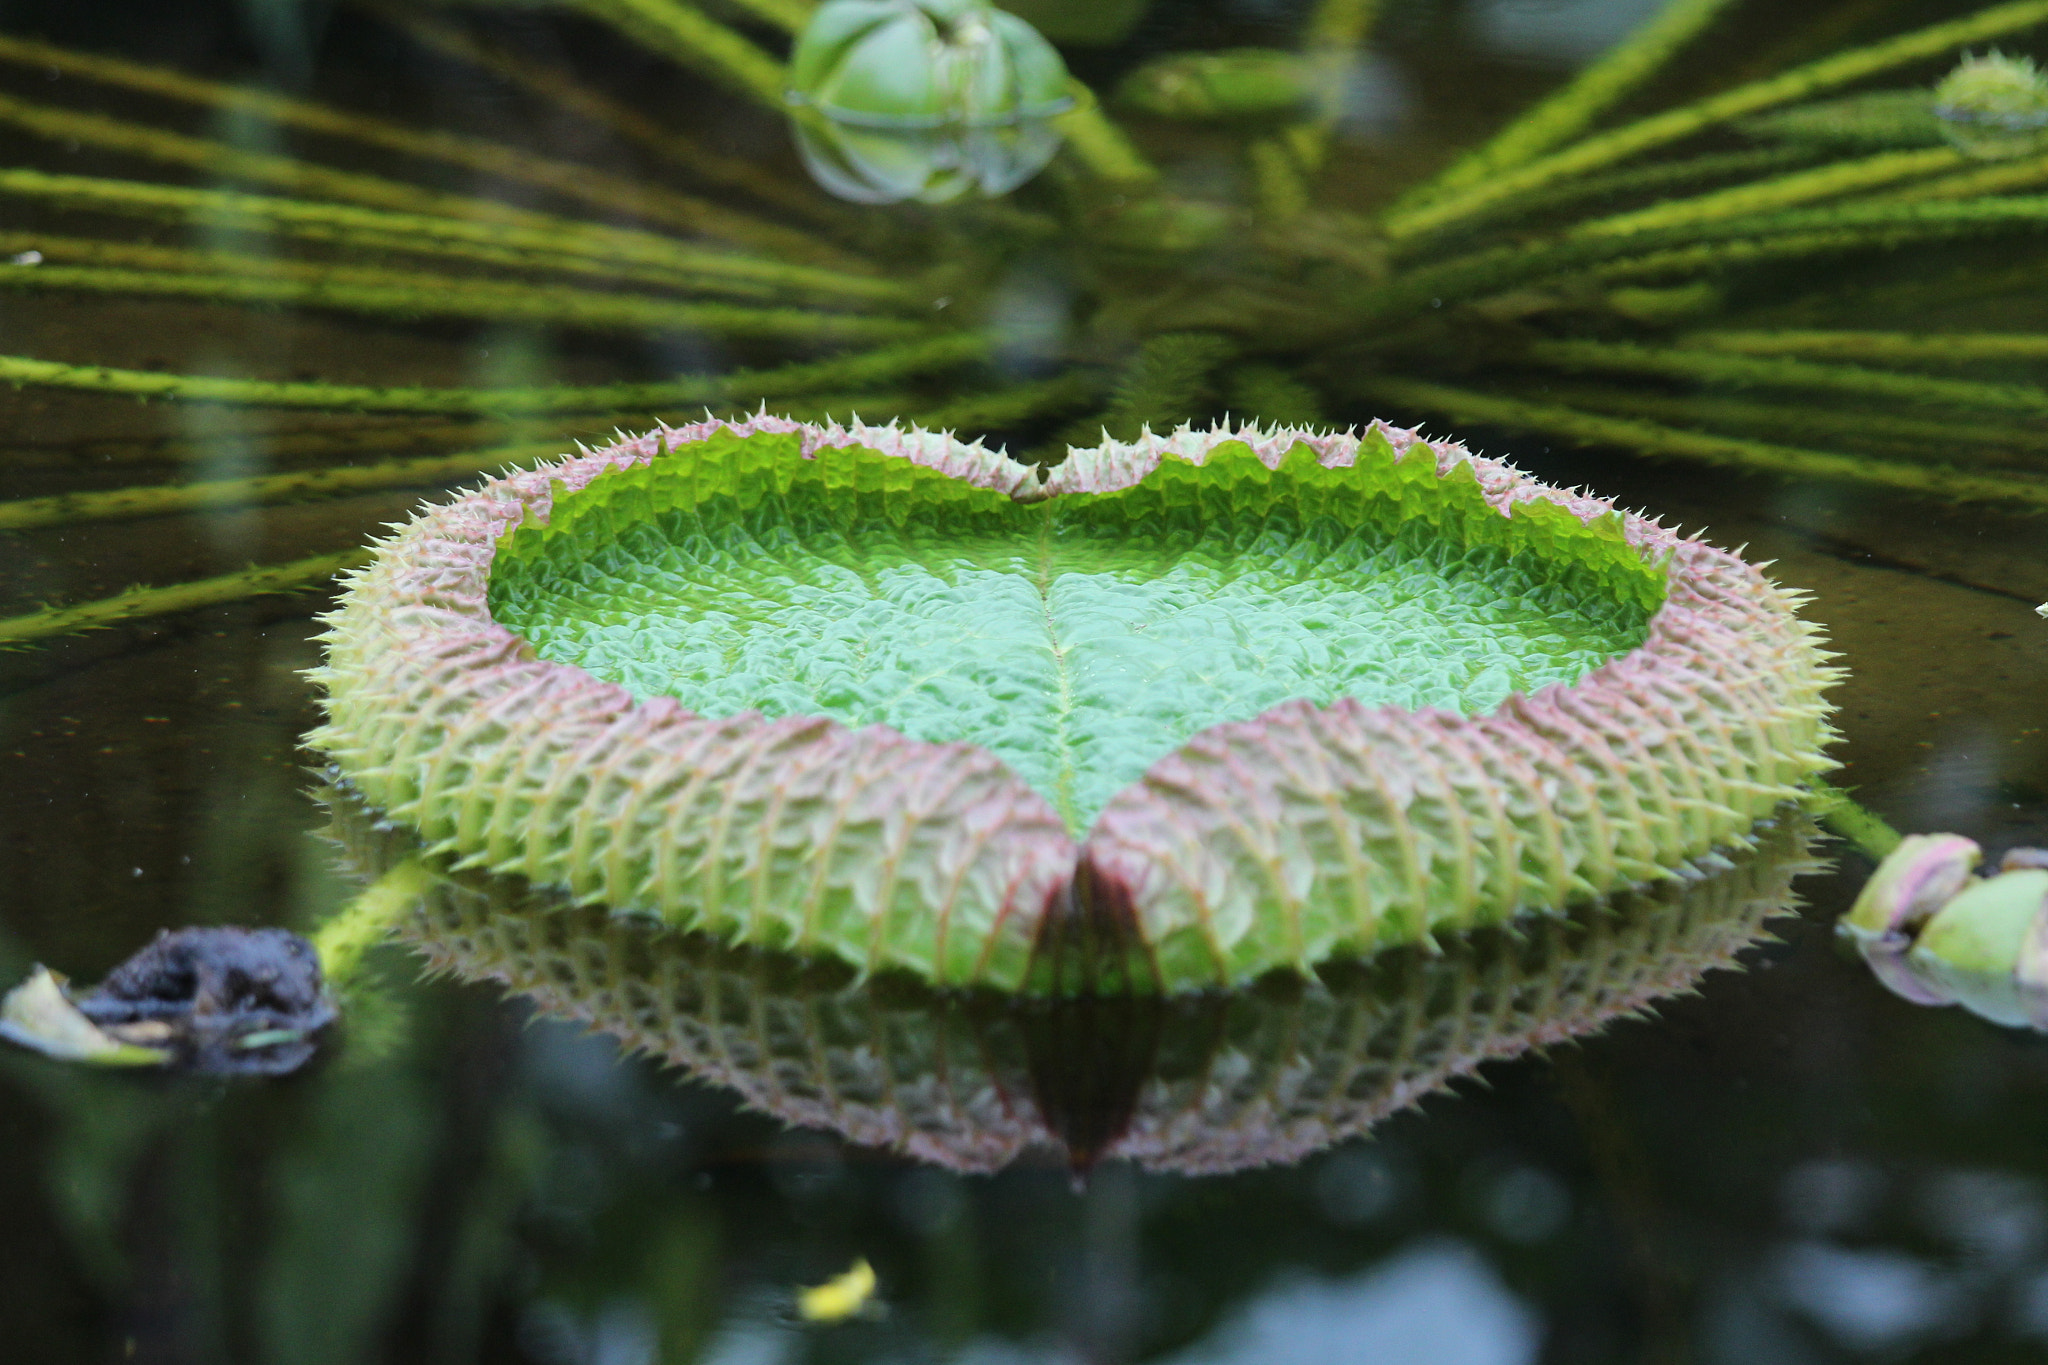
[(1571, 110), (347, 935), (1782, 192), (1800, 83), (791, 16), (1853, 823), (372, 436), (1695, 246), (140, 602), (1689, 263), (1885, 348), (1464, 405), (681, 32), (1099, 143), (392, 294), (1916, 441), (741, 386), (127, 504), (1775, 372), (560, 88), (2023, 173), (575, 247), (1006, 407), (613, 194), (1282, 191), (1636, 181)]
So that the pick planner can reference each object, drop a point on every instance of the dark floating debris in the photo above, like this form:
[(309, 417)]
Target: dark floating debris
[(217, 1001)]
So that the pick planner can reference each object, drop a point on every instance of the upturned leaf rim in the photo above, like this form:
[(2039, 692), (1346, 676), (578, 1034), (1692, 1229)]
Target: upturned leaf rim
[(1280, 841)]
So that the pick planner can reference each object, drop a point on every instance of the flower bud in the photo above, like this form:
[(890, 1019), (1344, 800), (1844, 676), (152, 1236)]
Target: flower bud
[(1994, 105), (1986, 946), (1913, 882), (924, 99)]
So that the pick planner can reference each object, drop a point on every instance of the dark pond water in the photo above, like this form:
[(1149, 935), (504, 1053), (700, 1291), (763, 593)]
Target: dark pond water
[(1785, 1163)]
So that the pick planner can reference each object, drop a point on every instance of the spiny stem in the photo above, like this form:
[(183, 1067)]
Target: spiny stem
[(1779, 373), (1694, 246), (1919, 441), (980, 411), (1588, 428), (1570, 111), (1283, 193), (350, 932), (683, 33), (1099, 143), (611, 193), (739, 386), (1888, 348), (392, 294), (576, 247), (2021, 173), (563, 90), (1643, 180), (365, 436), (1800, 83), (127, 504), (1783, 192), (140, 602), (1854, 823), (1695, 261)]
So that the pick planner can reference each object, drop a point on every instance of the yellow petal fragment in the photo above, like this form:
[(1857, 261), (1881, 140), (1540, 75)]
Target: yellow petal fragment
[(840, 1297)]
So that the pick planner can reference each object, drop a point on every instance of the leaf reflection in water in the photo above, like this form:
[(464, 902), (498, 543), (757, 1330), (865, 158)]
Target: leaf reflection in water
[(1197, 1083)]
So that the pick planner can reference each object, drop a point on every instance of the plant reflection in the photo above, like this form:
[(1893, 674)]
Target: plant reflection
[(1194, 1083)]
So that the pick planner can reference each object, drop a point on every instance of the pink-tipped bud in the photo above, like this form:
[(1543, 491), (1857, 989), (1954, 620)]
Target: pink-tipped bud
[(1919, 877)]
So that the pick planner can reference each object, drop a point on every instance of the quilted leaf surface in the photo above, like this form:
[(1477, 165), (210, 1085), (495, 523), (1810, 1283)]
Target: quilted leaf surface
[(1188, 710)]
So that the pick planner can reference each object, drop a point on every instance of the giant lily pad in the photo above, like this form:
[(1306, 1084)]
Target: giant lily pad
[(1184, 711)]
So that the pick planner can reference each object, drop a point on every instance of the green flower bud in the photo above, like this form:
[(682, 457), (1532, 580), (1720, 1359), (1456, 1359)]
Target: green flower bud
[(1994, 105), (1246, 83), (924, 99), (1912, 884), (1988, 948)]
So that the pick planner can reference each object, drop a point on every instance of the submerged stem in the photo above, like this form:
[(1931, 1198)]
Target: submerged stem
[(127, 504), (739, 386), (1694, 247), (1782, 192), (613, 253), (611, 193), (683, 33), (560, 88), (1100, 143), (1801, 82), (1570, 111), (1920, 441), (1589, 428), (1891, 348), (393, 294), (1778, 372), (206, 592)]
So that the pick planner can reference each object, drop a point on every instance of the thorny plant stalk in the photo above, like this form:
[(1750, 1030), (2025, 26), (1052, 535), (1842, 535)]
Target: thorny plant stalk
[(1466, 244), (599, 189)]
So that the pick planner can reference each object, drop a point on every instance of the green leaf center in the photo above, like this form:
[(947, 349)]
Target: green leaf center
[(1081, 638)]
